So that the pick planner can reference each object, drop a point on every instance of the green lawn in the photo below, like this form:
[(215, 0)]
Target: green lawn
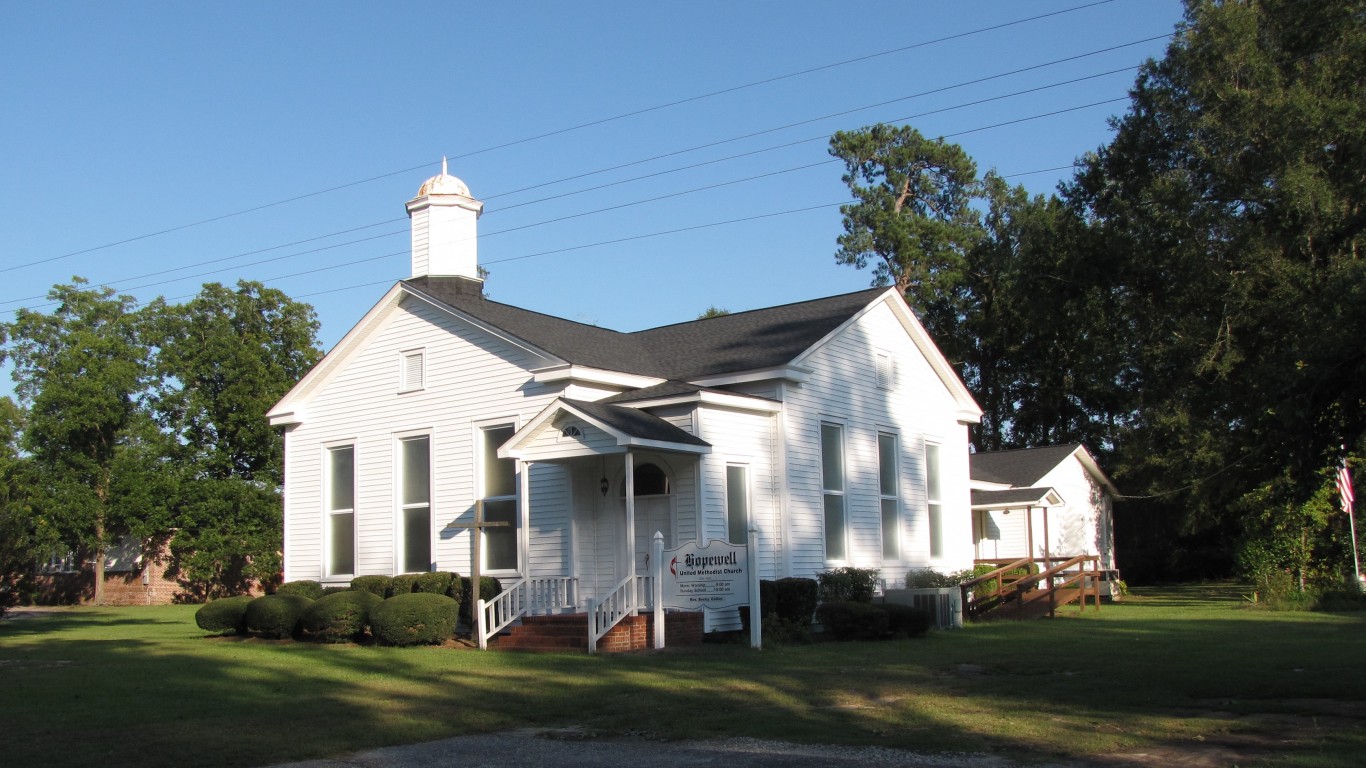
[(1189, 669)]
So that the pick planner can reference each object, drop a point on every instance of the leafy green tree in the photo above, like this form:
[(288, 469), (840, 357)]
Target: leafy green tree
[(913, 219), (713, 311), (19, 542), (80, 371), (1009, 285), (224, 359), (1232, 193)]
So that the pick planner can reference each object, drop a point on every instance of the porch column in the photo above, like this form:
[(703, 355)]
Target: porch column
[(1029, 532), (524, 517), (631, 525)]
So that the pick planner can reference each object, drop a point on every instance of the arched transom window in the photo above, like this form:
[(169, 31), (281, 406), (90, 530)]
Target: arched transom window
[(650, 480)]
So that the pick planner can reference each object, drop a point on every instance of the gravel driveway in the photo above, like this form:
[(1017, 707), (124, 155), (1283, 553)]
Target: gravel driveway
[(573, 749)]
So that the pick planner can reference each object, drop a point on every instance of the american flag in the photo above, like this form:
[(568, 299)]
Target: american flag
[(1345, 487)]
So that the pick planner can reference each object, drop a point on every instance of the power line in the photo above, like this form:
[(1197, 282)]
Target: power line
[(557, 132), (821, 137), (932, 91), (583, 214), (542, 253)]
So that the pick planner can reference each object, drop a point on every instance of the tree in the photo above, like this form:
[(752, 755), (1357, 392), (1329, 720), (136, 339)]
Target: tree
[(1014, 295), (713, 311), (913, 220), (1233, 194), (79, 371), (19, 544), (224, 359)]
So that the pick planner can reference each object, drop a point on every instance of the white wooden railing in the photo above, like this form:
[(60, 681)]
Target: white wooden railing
[(522, 597), (645, 593), (607, 613)]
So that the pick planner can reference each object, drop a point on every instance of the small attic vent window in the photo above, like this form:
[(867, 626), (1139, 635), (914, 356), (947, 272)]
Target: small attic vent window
[(571, 432), (886, 371), (412, 372)]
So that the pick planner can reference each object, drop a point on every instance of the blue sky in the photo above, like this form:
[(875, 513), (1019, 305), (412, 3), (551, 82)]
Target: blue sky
[(124, 120)]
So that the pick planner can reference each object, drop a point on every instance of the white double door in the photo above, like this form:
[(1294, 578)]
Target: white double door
[(601, 540)]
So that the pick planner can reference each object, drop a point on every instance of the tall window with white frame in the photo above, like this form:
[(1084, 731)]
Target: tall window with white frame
[(737, 503), (891, 500), (341, 510), (934, 500), (500, 500), (832, 487), (415, 504)]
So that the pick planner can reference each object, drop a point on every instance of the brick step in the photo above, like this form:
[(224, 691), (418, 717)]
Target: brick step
[(556, 632), (540, 644)]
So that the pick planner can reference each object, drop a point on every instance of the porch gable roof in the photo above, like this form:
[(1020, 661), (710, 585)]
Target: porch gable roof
[(625, 427), (1016, 498)]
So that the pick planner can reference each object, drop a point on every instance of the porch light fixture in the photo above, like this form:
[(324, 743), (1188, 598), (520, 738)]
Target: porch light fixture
[(604, 485)]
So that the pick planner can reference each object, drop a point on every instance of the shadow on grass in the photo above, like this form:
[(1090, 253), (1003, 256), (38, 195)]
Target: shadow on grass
[(1068, 686)]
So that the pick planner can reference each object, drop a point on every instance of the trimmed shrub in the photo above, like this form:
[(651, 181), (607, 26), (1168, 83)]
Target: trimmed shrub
[(907, 620), (850, 620), (781, 631), (854, 585), (793, 599), (275, 616), (338, 618), (436, 583), (417, 618), (309, 589), (403, 584), (379, 586), (457, 588), (334, 590), (489, 588), (223, 616), (928, 578)]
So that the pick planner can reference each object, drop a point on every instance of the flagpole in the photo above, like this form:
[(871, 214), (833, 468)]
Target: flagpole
[(1348, 497)]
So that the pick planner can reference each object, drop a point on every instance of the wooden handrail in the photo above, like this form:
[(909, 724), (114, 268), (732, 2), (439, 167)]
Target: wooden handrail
[(1019, 590)]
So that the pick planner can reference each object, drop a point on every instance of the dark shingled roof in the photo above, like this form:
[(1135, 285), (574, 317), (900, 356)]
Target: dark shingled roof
[(1021, 468), (1012, 497), (743, 341), (636, 423)]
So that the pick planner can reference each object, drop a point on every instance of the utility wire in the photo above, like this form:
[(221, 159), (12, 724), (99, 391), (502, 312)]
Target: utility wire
[(714, 161), (575, 247), (932, 91), (583, 214), (557, 132)]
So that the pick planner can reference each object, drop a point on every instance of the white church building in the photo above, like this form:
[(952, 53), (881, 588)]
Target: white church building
[(834, 427)]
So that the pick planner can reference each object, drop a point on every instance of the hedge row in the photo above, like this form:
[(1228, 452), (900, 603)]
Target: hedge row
[(851, 620), (405, 619)]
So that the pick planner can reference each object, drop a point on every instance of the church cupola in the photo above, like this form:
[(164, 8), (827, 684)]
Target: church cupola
[(444, 217)]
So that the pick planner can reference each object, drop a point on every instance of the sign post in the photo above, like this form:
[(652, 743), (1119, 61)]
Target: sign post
[(756, 614), (657, 571), (714, 575)]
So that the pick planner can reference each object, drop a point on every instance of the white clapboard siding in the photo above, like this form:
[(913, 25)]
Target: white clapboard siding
[(843, 389), (471, 378), (743, 437), (548, 539), (1083, 526)]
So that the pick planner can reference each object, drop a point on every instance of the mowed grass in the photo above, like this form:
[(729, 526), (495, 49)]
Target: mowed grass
[(1183, 670)]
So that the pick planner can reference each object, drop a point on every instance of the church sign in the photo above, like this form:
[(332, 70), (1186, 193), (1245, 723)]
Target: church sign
[(715, 575)]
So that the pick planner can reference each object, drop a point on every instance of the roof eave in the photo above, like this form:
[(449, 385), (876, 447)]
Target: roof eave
[(582, 374), (795, 374)]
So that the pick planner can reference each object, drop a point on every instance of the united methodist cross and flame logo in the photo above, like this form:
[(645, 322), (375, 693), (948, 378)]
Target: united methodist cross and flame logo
[(673, 566)]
